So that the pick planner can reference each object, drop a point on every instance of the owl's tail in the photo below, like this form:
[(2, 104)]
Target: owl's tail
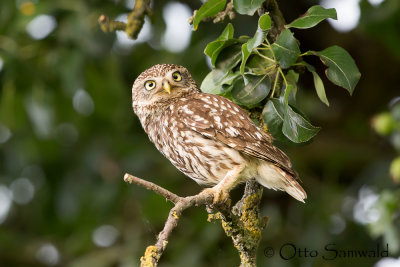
[(273, 177)]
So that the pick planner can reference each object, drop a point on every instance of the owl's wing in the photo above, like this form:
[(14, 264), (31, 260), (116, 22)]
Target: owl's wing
[(219, 118)]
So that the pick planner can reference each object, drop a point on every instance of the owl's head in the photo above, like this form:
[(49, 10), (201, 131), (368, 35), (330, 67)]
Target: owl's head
[(161, 84)]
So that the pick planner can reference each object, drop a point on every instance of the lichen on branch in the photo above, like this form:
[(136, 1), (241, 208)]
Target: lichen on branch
[(242, 222), (135, 20)]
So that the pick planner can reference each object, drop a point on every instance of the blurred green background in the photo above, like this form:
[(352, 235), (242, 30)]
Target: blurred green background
[(68, 134)]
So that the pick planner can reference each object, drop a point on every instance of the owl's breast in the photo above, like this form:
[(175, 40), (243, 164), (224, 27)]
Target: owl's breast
[(203, 159)]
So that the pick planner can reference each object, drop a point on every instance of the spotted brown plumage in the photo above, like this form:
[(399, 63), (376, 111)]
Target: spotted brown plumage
[(208, 137)]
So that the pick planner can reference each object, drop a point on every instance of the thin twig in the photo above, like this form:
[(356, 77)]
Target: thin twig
[(242, 222), (135, 20), (108, 25), (154, 252), (153, 187), (175, 213)]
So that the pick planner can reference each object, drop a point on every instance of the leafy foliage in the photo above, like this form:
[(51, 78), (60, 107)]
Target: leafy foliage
[(313, 16), (246, 7), (264, 24), (342, 69), (210, 8), (286, 49), (265, 71)]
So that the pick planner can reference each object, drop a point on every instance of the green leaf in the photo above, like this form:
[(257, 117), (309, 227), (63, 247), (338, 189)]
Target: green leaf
[(284, 123), (264, 24), (229, 57), (291, 77), (245, 56), (313, 16), (213, 49), (342, 70), (286, 49), (226, 34), (253, 91), (208, 9), (247, 7), (297, 128), (214, 81), (273, 116), (319, 85), (257, 65)]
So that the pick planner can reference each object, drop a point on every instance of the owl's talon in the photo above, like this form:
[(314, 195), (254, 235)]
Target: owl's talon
[(220, 195)]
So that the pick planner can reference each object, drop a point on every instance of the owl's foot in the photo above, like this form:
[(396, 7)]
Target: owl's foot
[(220, 195), (221, 190)]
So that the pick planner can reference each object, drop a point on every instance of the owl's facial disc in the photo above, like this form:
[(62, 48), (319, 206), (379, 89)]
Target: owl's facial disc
[(161, 84)]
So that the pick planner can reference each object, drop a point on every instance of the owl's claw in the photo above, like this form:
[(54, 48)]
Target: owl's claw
[(220, 195)]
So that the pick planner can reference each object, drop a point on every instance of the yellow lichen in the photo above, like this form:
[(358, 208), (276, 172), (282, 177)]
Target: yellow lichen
[(227, 226), (150, 257), (250, 221), (165, 243), (175, 215), (214, 217)]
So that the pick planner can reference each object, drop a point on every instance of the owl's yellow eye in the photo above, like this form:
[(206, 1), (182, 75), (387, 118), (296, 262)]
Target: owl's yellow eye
[(176, 76), (149, 85)]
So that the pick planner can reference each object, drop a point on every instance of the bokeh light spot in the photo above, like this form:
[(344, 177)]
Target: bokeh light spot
[(48, 254), (388, 262), (5, 202), (22, 190), (1, 63), (5, 133), (41, 115), (348, 13), (123, 41), (364, 212), (338, 224), (375, 2), (105, 235), (178, 33), (82, 102), (129, 4), (41, 26)]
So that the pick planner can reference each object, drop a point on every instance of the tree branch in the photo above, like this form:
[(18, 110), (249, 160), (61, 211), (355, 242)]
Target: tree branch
[(153, 187), (278, 21), (135, 20), (242, 222)]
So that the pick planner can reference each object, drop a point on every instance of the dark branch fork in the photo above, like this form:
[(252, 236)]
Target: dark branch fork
[(241, 222)]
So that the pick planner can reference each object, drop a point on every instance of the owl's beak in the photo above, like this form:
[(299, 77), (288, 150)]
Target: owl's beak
[(167, 87)]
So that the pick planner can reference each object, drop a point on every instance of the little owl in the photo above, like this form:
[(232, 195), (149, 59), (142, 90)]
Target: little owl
[(208, 137)]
